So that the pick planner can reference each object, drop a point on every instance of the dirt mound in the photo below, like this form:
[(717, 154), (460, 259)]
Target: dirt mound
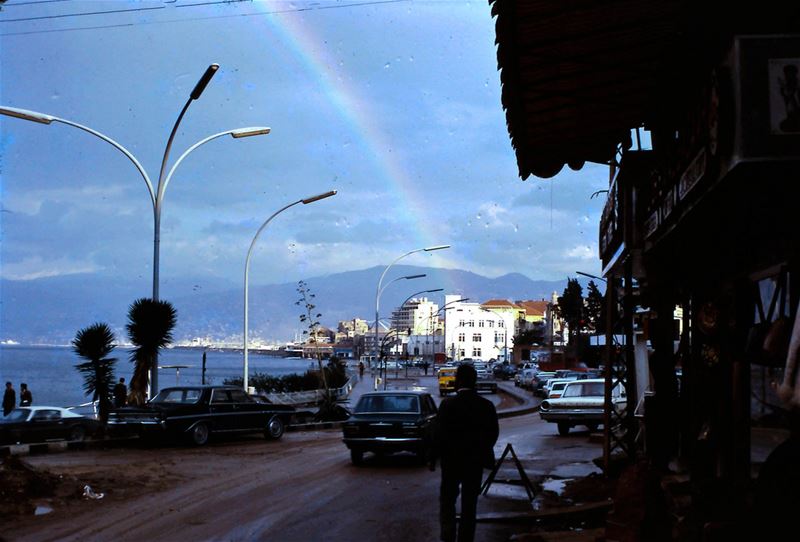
[(22, 485)]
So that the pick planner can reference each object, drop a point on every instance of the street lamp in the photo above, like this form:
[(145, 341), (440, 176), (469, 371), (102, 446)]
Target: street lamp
[(591, 276), (157, 193), (305, 201), (380, 280), (380, 292)]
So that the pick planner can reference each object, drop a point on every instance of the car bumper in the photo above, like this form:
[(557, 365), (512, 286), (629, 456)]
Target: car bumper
[(573, 416), (384, 444)]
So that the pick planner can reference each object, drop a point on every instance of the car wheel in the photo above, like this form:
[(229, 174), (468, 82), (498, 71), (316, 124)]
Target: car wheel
[(275, 428), (77, 433), (199, 434), (356, 456), (563, 429)]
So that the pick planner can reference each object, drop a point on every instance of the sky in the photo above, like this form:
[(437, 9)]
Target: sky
[(396, 105)]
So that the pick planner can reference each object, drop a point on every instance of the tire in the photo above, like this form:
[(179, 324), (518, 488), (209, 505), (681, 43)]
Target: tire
[(356, 457), (77, 433), (275, 428), (199, 434), (563, 429)]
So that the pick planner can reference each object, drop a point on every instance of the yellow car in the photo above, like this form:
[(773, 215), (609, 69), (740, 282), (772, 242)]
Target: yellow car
[(447, 380)]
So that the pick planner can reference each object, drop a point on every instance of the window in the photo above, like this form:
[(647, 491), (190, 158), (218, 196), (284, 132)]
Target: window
[(476, 337), (461, 323), (462, 337), (499, 337), (221, 396), (476, 352), (388, 403), (471, 323), (461, 353), (491, 323), (500, 324), (480, 323)]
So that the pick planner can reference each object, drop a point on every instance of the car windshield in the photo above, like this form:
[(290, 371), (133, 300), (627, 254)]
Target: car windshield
[(17, 415), (388, 403), (585, 389), (183, 396)]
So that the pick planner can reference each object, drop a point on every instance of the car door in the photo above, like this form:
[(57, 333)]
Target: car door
[(46, 424), (249, 414), (223, 410)]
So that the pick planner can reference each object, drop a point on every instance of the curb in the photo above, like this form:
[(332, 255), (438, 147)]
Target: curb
[(313, 426)]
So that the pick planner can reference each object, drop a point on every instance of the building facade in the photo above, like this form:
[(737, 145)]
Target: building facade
[(471, 331)]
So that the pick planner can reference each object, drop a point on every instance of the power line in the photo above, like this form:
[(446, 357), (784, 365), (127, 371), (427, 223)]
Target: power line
[(15, 4), (190, 19), (64, 15)]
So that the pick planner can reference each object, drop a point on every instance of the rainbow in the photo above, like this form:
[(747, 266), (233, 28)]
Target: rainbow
[(319, 63)]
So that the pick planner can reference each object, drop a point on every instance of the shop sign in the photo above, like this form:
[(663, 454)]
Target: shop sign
[(692, 175)]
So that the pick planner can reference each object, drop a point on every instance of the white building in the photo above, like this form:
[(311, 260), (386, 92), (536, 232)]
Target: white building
[(471, 331), (419, 315)]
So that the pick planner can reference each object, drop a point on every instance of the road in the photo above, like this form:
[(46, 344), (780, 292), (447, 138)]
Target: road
[(301, 488)]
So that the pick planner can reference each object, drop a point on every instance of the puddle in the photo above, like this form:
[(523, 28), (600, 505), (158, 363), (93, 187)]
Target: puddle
[(42, 510), (556, 485), (508, 491), (575, 470)]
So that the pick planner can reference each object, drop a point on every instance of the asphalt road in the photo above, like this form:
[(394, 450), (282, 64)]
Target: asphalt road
[(301, 488)]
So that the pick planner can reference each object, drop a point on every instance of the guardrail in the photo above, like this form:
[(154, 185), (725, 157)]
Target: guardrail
[(312, 397)]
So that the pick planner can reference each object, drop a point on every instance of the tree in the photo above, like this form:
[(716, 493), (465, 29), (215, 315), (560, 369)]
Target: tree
[(150, 325), (328, 407), (595, 307), (572, 309), (94, 344)]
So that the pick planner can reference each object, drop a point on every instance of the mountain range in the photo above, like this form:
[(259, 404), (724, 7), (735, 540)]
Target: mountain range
[(51, 310)]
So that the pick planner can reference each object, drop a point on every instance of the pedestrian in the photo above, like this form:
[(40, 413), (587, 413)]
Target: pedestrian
[(465, 434), (120, 393), (9, 399), (360, 369), (25, 397)]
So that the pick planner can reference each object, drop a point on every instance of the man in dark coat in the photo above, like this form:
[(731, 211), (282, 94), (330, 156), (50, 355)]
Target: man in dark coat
[(120, 393), (25, 395), (466, 432), (9, 399)]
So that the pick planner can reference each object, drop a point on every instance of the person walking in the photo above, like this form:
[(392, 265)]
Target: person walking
[(360, 369), (464, 438), (9, 399), (25, 397), (121, 393)]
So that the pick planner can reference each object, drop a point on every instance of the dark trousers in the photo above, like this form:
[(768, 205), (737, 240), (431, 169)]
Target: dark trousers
[(468, 478)]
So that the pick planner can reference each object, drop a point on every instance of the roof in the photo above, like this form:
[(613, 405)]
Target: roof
[(504, 303), (578, 75), (538, 308)]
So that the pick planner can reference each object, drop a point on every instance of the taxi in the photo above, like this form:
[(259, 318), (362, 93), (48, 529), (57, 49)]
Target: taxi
[(447, 380)]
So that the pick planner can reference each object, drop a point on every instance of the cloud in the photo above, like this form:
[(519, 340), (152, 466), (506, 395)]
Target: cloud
[(37, 268)]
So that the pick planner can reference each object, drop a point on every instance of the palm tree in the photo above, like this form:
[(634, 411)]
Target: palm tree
[(150, 325), (95, 343)]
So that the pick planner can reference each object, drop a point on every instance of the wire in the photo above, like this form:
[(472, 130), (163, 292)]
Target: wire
[(15, 4), (189, 19), (64, 15)]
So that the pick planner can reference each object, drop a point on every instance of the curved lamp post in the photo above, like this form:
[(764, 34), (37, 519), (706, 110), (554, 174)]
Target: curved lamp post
[(304, 201), (377, 300), (378, 290), (157, 193)]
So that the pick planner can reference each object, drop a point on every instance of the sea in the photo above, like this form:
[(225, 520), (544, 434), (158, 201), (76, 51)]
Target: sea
[(53, 380)]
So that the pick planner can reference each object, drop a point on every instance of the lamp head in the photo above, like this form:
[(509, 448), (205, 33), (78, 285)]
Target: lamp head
[(318, 197), (437, 247), (251, 131), (408, 277), (24, 114), (203, 82)]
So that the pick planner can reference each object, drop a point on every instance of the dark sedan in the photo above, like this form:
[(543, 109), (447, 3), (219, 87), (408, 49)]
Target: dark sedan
[(198, 411), (43, 423), (389, 422)]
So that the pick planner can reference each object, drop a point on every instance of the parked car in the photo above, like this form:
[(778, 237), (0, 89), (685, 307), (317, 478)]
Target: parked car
[(524, 378), (43, 423), (539, 380), (557, 388), (504, 371), (196, 412), (447, 380), (548, 386), (581, 403), (389, 422)]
